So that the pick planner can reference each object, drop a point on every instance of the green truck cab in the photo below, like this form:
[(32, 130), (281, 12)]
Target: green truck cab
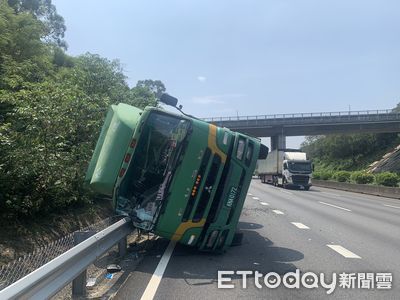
[(179, 177)]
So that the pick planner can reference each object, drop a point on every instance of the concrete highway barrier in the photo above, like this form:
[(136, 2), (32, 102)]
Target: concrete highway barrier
[(384, 191)]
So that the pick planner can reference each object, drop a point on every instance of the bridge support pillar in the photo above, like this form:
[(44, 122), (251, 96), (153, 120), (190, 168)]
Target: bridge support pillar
[(278, 142)]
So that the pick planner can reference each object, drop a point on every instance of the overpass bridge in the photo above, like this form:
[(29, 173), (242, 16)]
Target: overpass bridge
[(279, 126)]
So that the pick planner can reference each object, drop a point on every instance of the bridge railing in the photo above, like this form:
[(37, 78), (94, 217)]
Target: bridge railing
[(303, 115)]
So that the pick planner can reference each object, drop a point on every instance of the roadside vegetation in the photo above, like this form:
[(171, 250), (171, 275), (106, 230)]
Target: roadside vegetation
[(52, 106), (360, 177), (346, 157)]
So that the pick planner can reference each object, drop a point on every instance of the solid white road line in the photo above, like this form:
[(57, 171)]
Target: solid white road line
[(324, 203), (391, 206), (256, 198), (264, 203), (343, 251), (300, 225), (155, 280), (278, 212)]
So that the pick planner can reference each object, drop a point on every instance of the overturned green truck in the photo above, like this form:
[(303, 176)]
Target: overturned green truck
[(174, 175)]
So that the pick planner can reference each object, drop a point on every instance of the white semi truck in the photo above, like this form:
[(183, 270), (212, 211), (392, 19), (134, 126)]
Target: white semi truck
[(286, 168)]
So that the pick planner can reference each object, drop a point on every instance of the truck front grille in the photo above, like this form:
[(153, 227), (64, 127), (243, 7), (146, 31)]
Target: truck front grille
[(207, 190), (300, 179), (200, 174)]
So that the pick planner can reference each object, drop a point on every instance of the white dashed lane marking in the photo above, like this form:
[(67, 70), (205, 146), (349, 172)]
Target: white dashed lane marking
[(391, 206), (249, 194), (278, 212), (343, 251), (256, 198), (264, 203), (339, 207), (300, 225), (286, 192)]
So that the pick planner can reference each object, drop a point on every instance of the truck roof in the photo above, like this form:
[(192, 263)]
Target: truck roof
[(299, 156)]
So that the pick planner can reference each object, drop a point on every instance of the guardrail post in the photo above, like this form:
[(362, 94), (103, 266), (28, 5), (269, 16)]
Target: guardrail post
[(122, 245), (79, 283)]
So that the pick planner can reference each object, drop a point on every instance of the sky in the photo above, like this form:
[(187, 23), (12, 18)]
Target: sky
[(253, 57)]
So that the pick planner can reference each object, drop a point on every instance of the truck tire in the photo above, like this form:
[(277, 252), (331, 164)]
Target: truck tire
[(306, 188), (237, 239)]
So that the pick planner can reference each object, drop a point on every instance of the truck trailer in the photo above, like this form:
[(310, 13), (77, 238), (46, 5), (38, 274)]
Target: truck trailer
[(174, 175), (286, 168)]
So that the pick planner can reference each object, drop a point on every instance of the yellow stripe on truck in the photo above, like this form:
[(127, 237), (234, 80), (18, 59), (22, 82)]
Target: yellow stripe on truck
[(212, 142), (185, 226)]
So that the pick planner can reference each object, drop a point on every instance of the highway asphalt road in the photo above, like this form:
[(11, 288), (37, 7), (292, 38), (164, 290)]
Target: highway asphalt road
[(320, 231)]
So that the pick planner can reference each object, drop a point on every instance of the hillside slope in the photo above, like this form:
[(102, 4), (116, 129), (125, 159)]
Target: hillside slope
[(350, 152), (390, 162)]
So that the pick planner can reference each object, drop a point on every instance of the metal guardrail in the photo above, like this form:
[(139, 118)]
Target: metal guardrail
[(53, 276), (302, 115), (29, 262)]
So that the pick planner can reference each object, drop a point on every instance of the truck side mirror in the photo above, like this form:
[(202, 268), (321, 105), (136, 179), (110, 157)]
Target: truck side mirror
[(313, 166), (285, 166), (169, 100), (263, 152)]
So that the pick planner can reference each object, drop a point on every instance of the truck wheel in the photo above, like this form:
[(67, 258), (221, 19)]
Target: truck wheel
[(306, 188), (237, 239)]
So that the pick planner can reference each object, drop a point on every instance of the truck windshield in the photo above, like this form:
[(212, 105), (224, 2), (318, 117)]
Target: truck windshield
[(300, 167), (157, 152)]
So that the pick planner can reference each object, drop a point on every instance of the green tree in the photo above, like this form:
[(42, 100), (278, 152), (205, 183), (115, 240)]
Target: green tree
[(48, 137), (46, 12), (141, 97), (48, 141), (23, 55), (98, 77), (52, 107), (155, 86), (61, 59)]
